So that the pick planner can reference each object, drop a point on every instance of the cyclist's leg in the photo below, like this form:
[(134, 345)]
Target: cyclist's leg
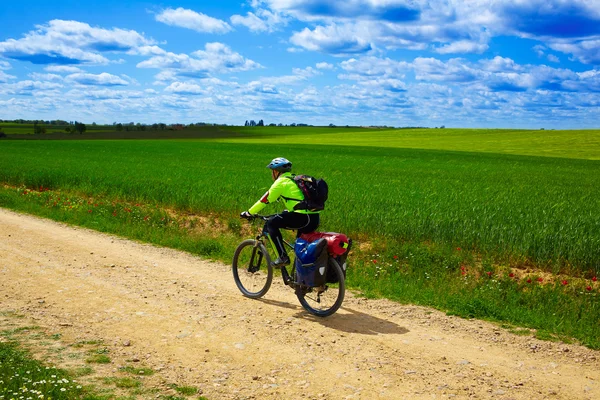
[(286, 220), (312, 224)]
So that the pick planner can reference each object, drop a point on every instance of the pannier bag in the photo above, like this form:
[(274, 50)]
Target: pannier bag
[(338, 246), (337, 243), (311, 262)]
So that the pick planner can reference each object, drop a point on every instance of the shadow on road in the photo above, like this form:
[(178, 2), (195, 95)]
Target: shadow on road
[(349, 320), (281, 304), (353, 321)]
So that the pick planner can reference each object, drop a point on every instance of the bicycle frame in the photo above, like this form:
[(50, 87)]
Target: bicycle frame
[(260, 238)]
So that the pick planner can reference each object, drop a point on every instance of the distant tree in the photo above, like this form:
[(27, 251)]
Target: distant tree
[(261, 123), (280, 124), (119, 127), (80, 127), (252, 122), (39, 129), (331, 125), (246, 124), (2, 134), (162, 126), (68, 129), (272, 124)]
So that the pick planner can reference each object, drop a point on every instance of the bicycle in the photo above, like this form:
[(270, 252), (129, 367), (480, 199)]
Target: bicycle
[(253, 274)]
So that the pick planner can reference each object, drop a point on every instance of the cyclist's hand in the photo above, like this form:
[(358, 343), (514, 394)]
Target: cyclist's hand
[(246, 215)]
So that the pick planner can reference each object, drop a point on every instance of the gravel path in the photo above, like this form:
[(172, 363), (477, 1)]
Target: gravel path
[(184, 317)]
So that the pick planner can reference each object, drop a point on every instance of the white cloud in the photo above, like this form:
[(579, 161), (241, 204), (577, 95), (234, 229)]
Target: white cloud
[(462, 46), (260, 20), (46, 77), (185, 88), (325, 66), (103, 79), (71, 42), (30, 86), (553, 58), (215, 58), (339, 40), (63, 69), (250, 21), (4, 77), (190, 19), (586, 51), (307, 72)]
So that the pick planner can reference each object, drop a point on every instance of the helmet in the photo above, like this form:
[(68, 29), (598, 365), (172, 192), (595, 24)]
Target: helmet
[(280, 164)]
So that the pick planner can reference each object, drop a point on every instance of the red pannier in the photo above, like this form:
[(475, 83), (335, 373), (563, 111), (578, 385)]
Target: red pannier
[(337, 243), (338, 246)]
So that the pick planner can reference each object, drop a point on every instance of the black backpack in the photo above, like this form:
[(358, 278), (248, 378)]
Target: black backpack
[(315, 192)]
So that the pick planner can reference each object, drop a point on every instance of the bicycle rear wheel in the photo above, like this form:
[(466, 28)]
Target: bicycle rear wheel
[(325, 300), (252, 269)]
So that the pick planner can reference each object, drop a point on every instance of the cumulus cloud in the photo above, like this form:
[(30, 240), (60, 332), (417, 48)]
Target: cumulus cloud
[(215, 58), (444, 26), (462, 46), (185, 88), (339, 40), (185, 18), (549, 18), (26, 87), (390, 10), (46, 77), (71, 42), (325, 66), (586, 51), (250, 21), (4, 77), (63, 69), (103, 79)]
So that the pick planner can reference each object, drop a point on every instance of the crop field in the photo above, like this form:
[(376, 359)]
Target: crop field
[(584, 144), (543, 209), (502, 225)]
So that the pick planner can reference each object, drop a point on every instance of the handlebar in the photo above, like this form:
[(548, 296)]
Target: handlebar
[(257, 216)]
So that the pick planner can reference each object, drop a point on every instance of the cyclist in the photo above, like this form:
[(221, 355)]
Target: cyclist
[(284, 188)]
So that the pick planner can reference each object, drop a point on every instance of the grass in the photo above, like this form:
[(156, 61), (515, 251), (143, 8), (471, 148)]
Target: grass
[(583, 144), (184, 390), (512, 207), (466, 232), (21, 375)]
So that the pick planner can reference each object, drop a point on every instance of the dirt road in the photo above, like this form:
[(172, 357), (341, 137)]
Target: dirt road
[(184, 317)]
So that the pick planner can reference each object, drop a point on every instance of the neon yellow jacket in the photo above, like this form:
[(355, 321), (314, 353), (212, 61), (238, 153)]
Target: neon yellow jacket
[(284, 189)]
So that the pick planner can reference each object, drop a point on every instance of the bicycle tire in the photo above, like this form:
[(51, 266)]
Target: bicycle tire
[(252, 276), (336, 291)]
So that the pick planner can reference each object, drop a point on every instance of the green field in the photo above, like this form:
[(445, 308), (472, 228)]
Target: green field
[(584, 144), (540, 208), (476, 201)]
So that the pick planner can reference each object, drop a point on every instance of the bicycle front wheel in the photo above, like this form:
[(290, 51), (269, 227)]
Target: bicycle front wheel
[(325, 300), (252, 270)]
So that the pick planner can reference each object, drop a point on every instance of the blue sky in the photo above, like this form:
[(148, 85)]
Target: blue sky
[(476, 63)]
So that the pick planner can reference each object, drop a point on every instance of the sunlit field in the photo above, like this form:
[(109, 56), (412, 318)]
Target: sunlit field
[(541, 208), (498, 235)]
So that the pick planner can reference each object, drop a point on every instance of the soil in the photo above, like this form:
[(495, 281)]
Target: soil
[(184, 317)]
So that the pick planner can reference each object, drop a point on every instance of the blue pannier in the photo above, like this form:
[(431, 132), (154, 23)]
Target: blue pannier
[(311, 262)]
